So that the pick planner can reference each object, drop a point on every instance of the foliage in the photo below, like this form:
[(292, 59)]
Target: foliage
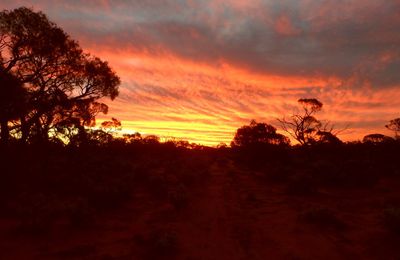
[(111, 126), (162, 243), (12, 101), (256, 134), (61, 83), (394, 125), (376, 138), (132, 138), (301, 186), (327, 137), (306, 128), (391, 217), (322, 217), (151, 139)]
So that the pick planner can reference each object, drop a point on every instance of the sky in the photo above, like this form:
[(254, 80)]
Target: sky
[(198, 70)]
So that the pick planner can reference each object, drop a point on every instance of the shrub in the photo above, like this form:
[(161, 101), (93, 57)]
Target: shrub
[(321, 217), (80, 214), (391, 218), (162, 244), (178, 197), (301, 185)]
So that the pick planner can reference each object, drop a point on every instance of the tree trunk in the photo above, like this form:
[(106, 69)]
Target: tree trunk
[(24, 129), (39, 135), (5, 132), (82, 135)]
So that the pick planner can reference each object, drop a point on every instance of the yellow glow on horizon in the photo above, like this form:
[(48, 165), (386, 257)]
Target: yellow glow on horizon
[(168, 96)]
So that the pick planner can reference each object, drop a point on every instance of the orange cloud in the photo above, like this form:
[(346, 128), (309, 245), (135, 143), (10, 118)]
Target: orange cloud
[(199, 70), (173, 97)]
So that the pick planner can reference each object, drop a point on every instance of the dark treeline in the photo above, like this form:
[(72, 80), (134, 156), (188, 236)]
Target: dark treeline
[(51, 186)]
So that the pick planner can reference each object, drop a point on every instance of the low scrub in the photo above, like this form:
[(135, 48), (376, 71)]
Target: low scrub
[(322, 217), (391, 218)]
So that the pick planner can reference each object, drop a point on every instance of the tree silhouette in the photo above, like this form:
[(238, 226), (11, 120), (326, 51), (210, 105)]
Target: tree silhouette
[(306, 128), (394, 125), (258, 133), (132, 138), (111, 126), (151, 139), (377, 138), (12, 102), (326, 137), (63, 82), (71, 121)]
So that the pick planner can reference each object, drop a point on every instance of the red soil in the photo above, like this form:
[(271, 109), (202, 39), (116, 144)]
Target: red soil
[(232, 214)]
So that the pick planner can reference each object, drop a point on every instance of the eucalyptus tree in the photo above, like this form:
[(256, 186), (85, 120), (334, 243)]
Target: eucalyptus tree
[(63, 83), (305, 127), (12, 102), (258, 134), (394, 125)]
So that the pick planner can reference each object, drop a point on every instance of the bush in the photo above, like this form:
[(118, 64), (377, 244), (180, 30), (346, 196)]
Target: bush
[(391, 218), (301, 185), (179, 197), (321, 217), (162, 244)]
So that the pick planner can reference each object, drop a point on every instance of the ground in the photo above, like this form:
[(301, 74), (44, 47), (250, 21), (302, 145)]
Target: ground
[(222, 211)]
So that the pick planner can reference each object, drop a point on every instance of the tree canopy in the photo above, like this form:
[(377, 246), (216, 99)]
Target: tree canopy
[(12, 101), (258, 133), (306, 128), (61, 82), (377, 138), (394, 125)]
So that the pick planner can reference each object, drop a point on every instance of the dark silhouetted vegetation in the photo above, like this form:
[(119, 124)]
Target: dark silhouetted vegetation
[(392, 219), (258, 134), (47, 79), (305, 128), (322, 217), (394, 125), (377, 138)]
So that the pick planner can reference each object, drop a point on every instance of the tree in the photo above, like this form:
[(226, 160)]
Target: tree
[(222, 146), (394, 125), (70, 122), (12, 102), (62, 82), (258, 133), (325, 137), (305, 127), (377, 138), (151, 139), (111, 126), (132, 138)]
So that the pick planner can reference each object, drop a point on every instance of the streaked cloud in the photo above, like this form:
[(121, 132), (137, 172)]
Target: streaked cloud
[(201, 69)]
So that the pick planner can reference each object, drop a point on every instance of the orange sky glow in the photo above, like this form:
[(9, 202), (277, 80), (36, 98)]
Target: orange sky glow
[(198, 71)]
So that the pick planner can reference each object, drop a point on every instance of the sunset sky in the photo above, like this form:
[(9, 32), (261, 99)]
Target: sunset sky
[(198, 70)]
